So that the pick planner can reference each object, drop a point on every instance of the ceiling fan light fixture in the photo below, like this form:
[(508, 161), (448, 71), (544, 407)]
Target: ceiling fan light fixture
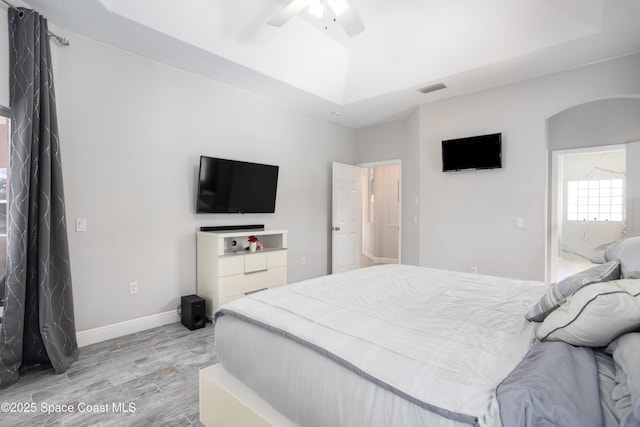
[(316, 8), (338, 6), (342, 11)]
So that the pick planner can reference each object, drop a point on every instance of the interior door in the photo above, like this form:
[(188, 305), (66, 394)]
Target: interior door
[(346, 224)]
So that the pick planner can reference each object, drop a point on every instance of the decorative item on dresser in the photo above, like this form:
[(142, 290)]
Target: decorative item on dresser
[(226, 270), (253, 243)]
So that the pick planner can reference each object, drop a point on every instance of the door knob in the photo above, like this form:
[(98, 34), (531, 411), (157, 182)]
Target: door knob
[(335, 228)]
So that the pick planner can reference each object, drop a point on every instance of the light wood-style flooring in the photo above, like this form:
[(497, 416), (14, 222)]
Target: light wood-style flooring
[(152, 374)]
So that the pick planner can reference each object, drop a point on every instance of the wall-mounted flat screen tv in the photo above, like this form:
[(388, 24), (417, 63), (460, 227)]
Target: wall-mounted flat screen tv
[(475, 152), (231, 186)]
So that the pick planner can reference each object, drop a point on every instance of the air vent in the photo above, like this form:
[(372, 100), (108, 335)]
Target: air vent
[(432, 88)]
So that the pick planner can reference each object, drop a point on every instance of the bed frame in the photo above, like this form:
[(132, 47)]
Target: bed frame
[(225, 401)]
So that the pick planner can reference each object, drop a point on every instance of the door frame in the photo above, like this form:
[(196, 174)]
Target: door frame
[(386, 163)]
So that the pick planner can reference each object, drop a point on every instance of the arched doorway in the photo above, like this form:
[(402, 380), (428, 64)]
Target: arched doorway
[(593, 133)]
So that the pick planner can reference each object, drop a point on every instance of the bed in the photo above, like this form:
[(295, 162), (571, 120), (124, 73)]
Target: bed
[(400, 345)]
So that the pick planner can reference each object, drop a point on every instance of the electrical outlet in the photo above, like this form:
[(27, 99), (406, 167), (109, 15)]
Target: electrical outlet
[(133, 288), (474, 270), (81, 224)]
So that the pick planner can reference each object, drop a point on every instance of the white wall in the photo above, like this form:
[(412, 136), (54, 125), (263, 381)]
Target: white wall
[(632, 195), (468, 218), (597, 123), (381, 142), (411, 179), (132, 131)]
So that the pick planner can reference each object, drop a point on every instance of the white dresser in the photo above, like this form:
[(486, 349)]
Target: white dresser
[(226, 270)]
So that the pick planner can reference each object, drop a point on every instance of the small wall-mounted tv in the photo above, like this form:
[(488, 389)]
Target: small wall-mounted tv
[(475, 152), (231, 186)]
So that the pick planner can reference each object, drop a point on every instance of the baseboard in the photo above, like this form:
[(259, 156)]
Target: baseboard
[(380, 260), (368, 255), (104, 333)]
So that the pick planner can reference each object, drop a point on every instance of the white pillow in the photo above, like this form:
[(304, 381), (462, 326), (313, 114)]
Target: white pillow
[(595, 315)]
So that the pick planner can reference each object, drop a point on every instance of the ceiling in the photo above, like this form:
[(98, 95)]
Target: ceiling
[(313, 66)]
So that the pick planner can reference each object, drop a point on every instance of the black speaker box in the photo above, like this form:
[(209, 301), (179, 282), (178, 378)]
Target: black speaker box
[(192, 312)]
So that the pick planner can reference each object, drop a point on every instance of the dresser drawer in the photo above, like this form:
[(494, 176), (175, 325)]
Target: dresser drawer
[(230, 265), (246, 283), (223, 301), (276, 259), (255, 262)]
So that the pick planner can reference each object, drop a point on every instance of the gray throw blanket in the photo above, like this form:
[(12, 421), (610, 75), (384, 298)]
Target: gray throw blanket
[(556, 385)]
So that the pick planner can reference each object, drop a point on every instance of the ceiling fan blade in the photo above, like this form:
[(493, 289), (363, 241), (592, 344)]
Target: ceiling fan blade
[(350, 21), (287, 13)]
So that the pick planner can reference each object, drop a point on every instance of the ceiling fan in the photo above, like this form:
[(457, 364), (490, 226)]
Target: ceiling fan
[(342, 9)]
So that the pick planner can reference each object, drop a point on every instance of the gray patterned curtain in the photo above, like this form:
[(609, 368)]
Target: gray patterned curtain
[(38, 325)]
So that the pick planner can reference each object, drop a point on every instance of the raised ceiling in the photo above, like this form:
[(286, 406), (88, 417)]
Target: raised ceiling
[(312, 65)]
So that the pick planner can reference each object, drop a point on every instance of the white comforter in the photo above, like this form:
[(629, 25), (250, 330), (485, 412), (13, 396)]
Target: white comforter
[(440, 339)]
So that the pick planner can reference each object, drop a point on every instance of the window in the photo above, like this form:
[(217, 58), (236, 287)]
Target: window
[(595, 200), (5, 137)]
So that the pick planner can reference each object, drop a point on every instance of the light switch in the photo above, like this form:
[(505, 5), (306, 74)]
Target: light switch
[(519, 222), (81, 224)]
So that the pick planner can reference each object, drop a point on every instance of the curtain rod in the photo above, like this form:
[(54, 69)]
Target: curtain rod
[(61, 40)]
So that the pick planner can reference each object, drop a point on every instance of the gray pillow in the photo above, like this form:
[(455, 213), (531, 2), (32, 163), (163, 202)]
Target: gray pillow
[(626, 393), (626, 251), (560, 291)]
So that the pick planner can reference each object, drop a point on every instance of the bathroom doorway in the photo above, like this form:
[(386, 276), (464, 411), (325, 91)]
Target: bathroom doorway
[(381, 213)]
